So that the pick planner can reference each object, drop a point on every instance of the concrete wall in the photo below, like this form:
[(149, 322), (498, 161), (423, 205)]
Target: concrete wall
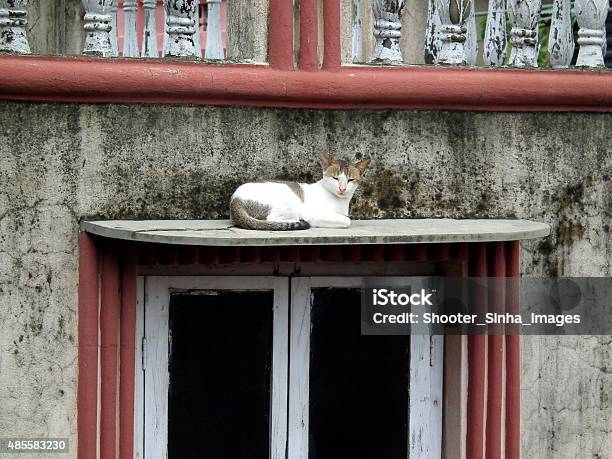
[(55, 27), (61, 163)]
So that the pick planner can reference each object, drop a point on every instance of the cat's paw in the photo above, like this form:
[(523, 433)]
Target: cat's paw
[(345, 222)]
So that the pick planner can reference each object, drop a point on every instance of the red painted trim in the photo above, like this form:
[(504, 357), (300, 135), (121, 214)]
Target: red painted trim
[(477, 367), (309, 40), (280, 34), (352, 253), (90, 80), (394, 252), (289, 253), (438, 252), (147, 253), (117, 314), (332, 253), (109, 342), (331, 29), (166, 254), (495, 385), (87, 391), (250, 255), (461, 251), (513, 361), (127, 352)]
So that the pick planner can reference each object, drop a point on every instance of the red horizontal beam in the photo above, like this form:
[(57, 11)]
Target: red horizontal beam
[(91, 80)]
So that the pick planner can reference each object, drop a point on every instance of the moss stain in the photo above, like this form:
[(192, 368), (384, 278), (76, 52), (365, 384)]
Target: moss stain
[(381, 195), (570, 206)]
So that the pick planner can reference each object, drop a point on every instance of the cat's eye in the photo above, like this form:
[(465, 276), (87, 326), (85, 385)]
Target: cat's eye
[(335, 178), (351, 180)]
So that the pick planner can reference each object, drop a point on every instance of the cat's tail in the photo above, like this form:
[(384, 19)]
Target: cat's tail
[(241, 217)]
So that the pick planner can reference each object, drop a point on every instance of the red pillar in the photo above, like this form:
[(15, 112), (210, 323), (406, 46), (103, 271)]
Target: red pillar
[(87, 391), (109, 347), (513, 358), (495, 370), (127, 352), (280, 34), (309, 35), (331, 31), (477, 365)]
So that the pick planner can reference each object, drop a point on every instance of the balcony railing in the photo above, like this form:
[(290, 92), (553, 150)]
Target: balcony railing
[(325, 54), (369, 32)]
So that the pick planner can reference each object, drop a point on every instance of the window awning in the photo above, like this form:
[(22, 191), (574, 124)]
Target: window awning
[(399, 231)]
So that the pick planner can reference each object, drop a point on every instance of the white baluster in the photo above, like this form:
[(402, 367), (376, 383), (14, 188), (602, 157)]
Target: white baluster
[(591, 17), (113, 31), (454, 16), (524, 15), (387, 30), (97, 26), (561, 37), (180, 27), (471, 38), (13, 21), (214, 44), (495, 41), (196, 35), (149, 35), (432, 34), (130, 45), (165, 35), (357, 45)]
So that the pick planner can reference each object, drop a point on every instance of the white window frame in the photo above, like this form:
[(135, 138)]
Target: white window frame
[(152, 380), (290, 363), (426, 372)]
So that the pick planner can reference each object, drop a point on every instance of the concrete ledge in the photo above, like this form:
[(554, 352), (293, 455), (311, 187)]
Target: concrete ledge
[(222, 233)]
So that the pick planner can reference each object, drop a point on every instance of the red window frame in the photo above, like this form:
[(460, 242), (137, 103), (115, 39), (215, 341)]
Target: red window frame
[(107, 330)]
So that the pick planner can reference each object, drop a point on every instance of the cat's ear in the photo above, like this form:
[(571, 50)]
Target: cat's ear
[(326, 161), (362, 165)]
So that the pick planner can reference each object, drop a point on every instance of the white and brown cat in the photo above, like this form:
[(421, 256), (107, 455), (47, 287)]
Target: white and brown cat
[(285, 206)]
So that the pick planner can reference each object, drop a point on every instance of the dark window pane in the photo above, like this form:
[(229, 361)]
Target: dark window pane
[(219, 364), (358, 384)]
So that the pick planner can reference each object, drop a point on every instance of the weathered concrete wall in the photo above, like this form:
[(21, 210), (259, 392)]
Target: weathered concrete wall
[(60, 163), (55, 27), (247, 30)]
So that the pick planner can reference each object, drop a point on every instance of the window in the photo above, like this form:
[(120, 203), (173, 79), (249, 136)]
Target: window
[(220, 355), (358, 394), (250, 367)]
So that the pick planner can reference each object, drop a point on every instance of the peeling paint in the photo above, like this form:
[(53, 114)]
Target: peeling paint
[(13, 22)]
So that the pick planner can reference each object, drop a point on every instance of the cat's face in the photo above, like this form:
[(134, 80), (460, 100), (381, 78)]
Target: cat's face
[(341, 178)]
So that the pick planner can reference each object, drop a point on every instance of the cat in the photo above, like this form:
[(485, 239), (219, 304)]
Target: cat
[(286, 206)]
